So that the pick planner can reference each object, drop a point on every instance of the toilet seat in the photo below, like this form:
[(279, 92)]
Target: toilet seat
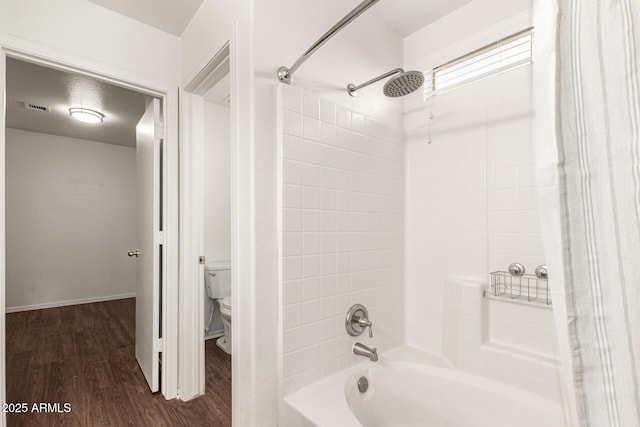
[(226, 302)]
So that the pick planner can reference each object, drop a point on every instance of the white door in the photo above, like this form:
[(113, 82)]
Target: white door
[(149, 239)]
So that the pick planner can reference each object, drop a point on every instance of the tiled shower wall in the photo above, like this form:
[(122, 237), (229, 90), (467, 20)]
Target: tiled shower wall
[(342, 234)]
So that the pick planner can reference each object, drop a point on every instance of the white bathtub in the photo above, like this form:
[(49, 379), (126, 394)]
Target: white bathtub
[(406, 393)]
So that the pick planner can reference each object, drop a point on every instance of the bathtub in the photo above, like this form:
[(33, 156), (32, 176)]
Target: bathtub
[(407, 390)]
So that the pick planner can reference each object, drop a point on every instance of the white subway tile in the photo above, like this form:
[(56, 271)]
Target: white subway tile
[(328, 286), (327, 242), (311, 288), (328, 328), (329, 350), (292, 123), (327, 199), (292, 148), (292, 172), (292, 98), (292, 316), (311, 332), (329, 368), (311, 265), (292, 196), (312, 375), (357, 122), (312, 129), (328, 307), (292, 364), (311, 105), (311, 198), (310, 220), (328, 133), (311, 175), (292, 339), (311, 243), (311, 357), (292, 244), (344, 117), (292, 292), (311, 312), (328, 111), (291, 268), (328, 178), (327, 221)]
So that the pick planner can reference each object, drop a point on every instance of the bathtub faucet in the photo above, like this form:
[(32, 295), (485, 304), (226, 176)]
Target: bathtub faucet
[(362, 350)]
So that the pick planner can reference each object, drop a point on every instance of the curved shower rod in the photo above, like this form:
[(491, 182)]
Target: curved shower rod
[(285, 74)]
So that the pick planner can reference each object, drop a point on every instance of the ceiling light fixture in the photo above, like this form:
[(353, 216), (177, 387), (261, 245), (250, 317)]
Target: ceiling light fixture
[(86, 115)]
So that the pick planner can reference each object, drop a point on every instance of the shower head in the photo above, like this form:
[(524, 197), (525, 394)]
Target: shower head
[(403, 84)]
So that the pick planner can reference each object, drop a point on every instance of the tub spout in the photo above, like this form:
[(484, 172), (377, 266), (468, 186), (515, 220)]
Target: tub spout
[(362, 350)]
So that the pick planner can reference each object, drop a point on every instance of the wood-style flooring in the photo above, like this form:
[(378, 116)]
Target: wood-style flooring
[(85, 355)]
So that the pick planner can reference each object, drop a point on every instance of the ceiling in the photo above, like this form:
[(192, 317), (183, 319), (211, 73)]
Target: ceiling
[(172, 16), (60, 90), (408, 16)]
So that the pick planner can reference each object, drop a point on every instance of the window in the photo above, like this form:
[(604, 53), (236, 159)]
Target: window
[(506, 54)]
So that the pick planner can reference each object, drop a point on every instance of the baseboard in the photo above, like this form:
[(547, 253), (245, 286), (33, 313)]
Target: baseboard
[(65, 303)]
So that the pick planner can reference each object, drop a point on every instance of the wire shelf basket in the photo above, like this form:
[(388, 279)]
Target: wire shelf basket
[(526, 287)]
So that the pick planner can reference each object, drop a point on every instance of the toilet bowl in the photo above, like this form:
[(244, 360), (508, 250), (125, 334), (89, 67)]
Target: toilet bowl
[(218, 282), (224, 342)]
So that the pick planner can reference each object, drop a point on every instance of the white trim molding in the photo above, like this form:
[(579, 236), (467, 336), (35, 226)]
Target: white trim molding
[(3, 254), (191, 330), (19, 308)]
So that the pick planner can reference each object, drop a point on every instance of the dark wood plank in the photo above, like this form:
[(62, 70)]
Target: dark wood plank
[(85, 355)]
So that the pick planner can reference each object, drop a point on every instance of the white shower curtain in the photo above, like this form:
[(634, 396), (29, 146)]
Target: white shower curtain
[(598, 139)]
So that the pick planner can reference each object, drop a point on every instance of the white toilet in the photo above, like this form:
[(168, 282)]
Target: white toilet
[(218, 281)]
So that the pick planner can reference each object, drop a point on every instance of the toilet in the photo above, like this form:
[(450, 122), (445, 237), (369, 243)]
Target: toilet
[(218, 282)]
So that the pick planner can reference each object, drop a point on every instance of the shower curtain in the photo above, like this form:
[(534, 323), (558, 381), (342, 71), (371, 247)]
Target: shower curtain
[(598, 142)]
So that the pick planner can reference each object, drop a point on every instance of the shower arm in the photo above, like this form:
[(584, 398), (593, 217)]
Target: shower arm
[(285, 74), (353, 88)]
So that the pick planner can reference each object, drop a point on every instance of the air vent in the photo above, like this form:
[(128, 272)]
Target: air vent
[(36, 107)]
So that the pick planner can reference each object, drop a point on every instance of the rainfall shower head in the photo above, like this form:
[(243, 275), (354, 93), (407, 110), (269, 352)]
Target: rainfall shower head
[(402, 84)]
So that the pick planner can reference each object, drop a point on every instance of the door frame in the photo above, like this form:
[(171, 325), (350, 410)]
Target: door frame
[(192, 164), (168, 93)]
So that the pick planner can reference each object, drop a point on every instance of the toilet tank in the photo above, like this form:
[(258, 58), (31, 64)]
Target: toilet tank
[(217, 277)]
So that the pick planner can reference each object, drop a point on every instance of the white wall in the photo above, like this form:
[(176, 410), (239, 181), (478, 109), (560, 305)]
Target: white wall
[(217, 201), (217, 183), (71, 210), (106, 37), (471, 207)]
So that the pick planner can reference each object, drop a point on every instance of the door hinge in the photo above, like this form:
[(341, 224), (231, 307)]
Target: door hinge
[(201, 259), (160, 237), (158, 345), (160, 130)]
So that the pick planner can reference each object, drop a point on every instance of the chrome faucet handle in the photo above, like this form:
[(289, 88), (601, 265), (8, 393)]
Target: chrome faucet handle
[(357, 319), (364, 322)]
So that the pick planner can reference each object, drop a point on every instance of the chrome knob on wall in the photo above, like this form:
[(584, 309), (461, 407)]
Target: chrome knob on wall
[(516, 269), (542, 272)]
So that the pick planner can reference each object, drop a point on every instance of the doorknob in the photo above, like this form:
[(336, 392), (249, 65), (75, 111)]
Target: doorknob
[(135, 253)]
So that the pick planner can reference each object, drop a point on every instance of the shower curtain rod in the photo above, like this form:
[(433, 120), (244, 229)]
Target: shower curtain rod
[(285, 74)]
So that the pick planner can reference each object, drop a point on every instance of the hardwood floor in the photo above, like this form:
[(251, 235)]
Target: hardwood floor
[(85, 355)]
